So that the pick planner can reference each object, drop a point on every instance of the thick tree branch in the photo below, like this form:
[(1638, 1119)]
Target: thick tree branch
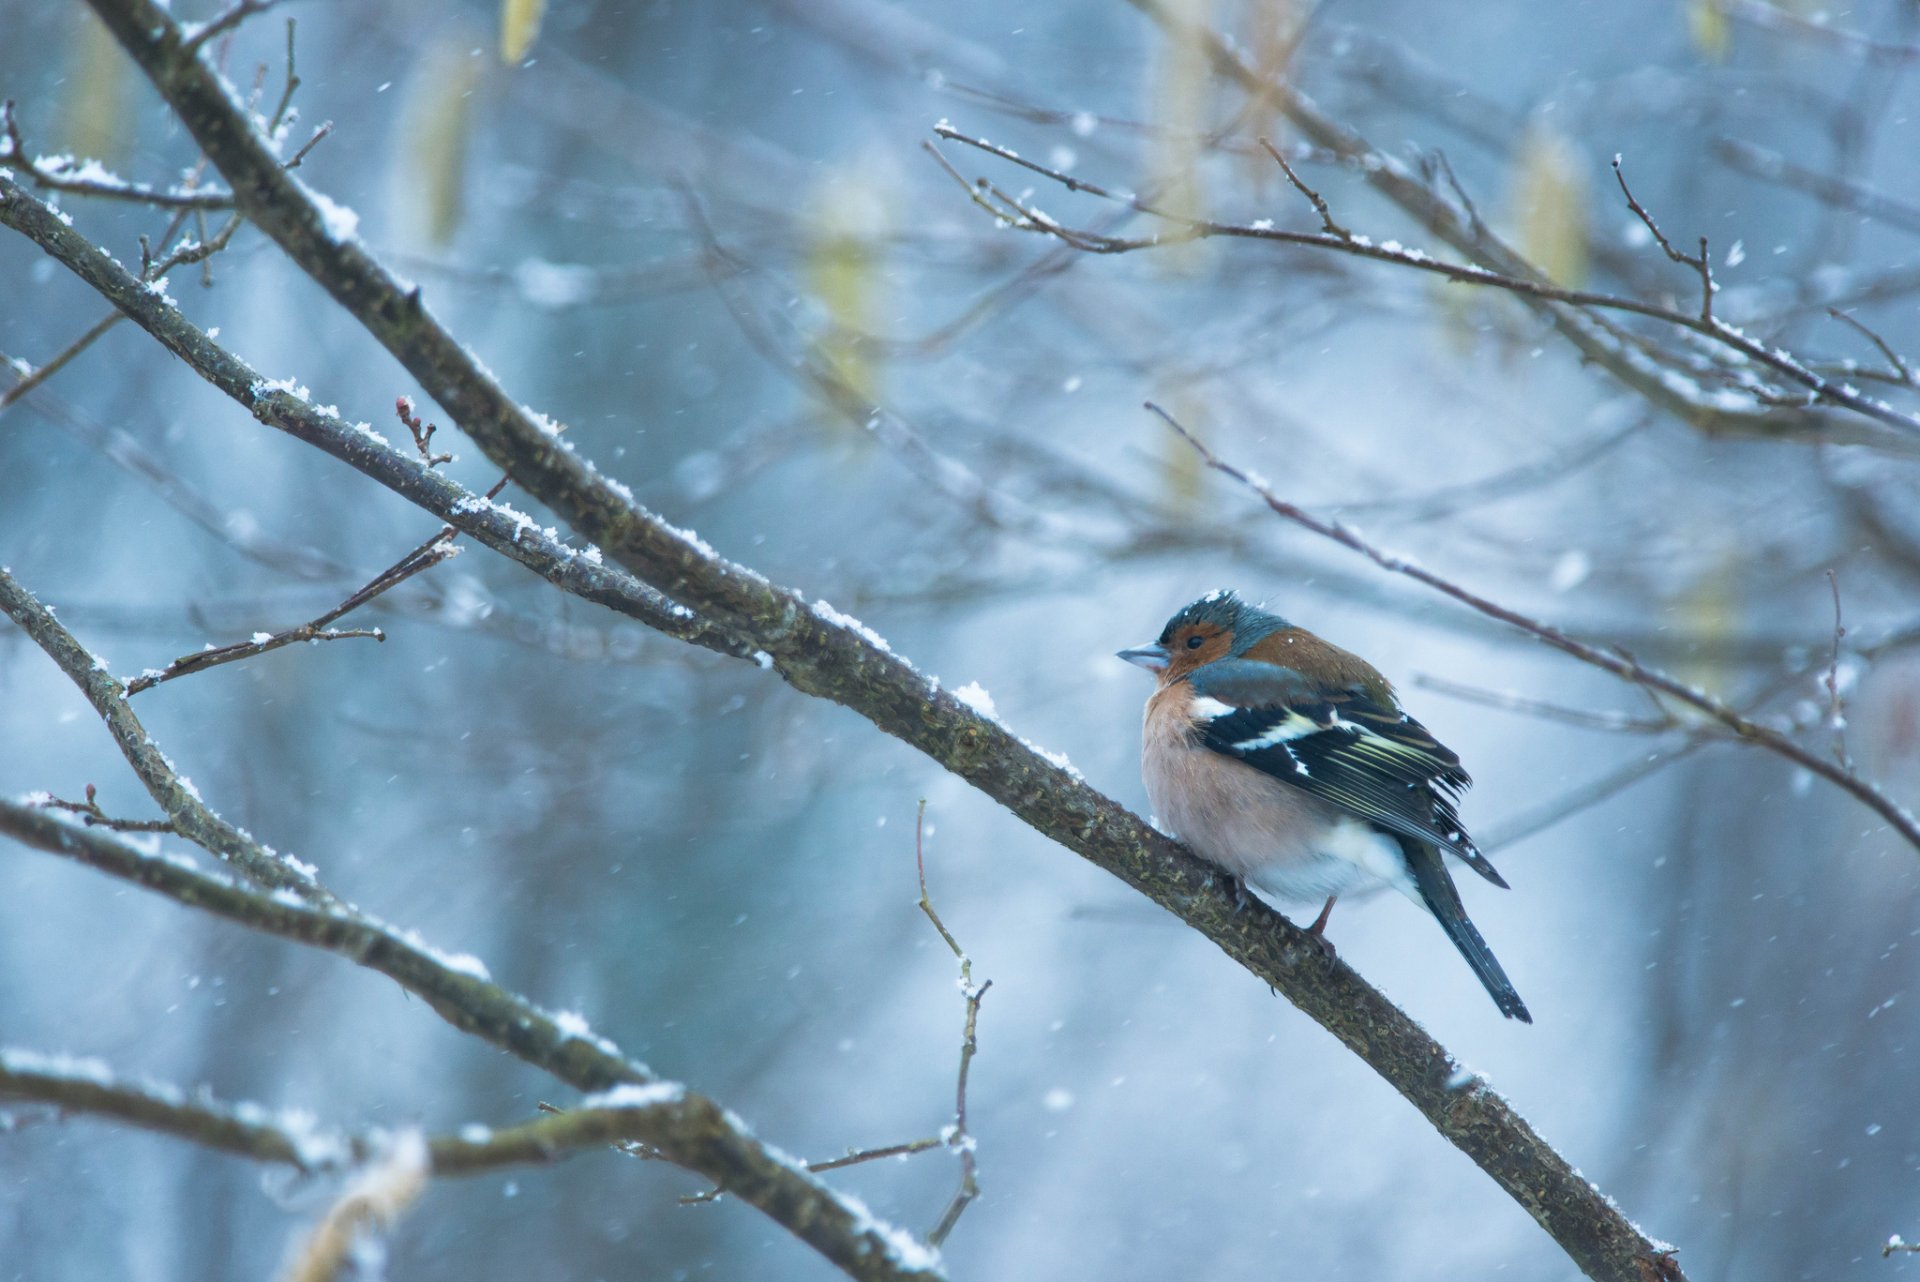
[(172, 791), (623, 1115), (687, 1128), (280, 404), (822, 653)]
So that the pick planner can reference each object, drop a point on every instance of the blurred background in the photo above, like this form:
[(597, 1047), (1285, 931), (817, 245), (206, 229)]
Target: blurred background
[(710, 241)]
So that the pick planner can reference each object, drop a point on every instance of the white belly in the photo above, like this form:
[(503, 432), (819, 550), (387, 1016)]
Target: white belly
[(1277, 837)]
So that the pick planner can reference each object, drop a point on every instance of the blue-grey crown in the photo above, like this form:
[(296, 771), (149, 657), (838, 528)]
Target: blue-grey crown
[(1222, 608)]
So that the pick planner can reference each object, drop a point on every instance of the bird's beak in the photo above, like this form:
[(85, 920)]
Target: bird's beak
[(1154, 658)]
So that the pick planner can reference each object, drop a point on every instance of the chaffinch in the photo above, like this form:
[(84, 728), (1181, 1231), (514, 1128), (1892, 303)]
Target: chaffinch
[(1288, 762)]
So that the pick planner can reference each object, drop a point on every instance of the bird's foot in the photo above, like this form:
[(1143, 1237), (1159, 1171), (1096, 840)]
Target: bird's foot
[(1318, 934)]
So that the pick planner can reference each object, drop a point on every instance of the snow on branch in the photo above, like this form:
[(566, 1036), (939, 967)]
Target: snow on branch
[(688, 1129)]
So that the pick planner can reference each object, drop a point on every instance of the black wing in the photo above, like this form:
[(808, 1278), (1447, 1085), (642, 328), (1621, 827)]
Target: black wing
[(1374, 762)]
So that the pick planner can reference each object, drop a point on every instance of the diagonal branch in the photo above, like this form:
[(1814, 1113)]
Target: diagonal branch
[(283, 405), (172, 791), (425, 557), (689, 1129), (621, 1116)]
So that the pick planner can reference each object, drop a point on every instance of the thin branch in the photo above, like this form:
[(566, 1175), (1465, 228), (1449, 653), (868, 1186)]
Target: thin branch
[(89, 178), (1517, 828), (1836, 701), (319, 136), (30, 379), (1621, 354), (956, 1137), (193, 37), (1618, 662), (278, 404), (90, 813), (188, 252), (1828, 189), (172, 791), (425, 557), (1508, 701), (292, 83), (1700, 263), (261, 643), (1650, 378), (1318, 201), (852, 1157), (692, 1130), (1902, 372)]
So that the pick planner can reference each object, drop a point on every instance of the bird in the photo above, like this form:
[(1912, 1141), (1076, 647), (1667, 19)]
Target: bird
[(1288, 762)]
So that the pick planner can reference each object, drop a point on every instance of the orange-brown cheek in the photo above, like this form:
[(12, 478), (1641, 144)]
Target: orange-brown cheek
[(1185, 661)]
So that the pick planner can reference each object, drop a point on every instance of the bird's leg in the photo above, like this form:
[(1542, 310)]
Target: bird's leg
[(1241, 895), (1318, 931)]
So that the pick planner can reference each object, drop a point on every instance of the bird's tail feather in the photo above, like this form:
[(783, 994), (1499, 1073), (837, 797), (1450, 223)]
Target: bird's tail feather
[(1443, 901)]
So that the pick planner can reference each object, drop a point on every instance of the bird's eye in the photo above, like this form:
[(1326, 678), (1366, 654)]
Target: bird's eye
[(1195, 641)]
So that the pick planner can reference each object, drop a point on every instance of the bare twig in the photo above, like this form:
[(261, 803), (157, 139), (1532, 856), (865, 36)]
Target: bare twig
[(1508, 701), (188, 252), (273, 402), (1902, 372), (852, 1157), (1651, 373), (172, 792), (33, 378), (1836, 701), (956, 1137), (90, 813), (319, 135), (88, 178), (261, 643), (1700, 263), (193, 37), (286, 93), (425, 557), (1828, 189), (1528, 823), (422, 433), (1620, 663), (1319, 202)]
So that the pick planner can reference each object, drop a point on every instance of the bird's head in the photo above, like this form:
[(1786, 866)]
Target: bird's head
[(1217, 626)]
